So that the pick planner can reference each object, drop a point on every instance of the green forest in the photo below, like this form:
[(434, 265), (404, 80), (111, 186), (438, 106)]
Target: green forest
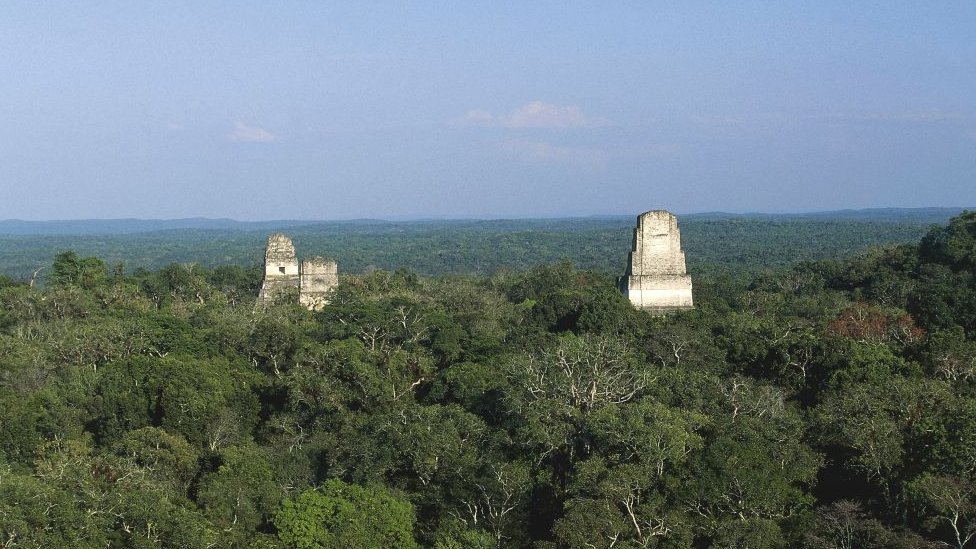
[(728, 242), (822, 394)]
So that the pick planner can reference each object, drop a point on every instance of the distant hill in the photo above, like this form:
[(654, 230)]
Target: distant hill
[(882, 215)]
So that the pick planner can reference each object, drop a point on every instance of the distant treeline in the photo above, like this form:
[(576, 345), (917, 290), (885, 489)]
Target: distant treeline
[(463, 247)]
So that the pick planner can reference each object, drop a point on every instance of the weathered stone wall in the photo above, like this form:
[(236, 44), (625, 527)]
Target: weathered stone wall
[(319, 277), (280, 269), (657, 243), (311, 283), (656, 278)]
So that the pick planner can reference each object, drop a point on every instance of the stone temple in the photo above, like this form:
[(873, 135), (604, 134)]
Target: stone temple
[(312, 280), (656, 279)]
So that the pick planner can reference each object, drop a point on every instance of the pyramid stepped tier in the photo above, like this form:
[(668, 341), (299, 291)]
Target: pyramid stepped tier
[(656, 279)]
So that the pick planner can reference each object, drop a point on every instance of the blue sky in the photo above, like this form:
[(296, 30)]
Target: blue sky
[(320, 110)]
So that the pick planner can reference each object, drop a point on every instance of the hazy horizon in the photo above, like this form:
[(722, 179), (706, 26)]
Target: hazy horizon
[(332, 111), (486, 218)]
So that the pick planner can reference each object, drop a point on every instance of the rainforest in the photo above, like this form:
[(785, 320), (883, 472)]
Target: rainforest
[(822, 393)]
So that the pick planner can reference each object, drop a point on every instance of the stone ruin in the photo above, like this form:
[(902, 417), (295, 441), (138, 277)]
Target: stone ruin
[(656, 279), (319, 277), (312, 280)]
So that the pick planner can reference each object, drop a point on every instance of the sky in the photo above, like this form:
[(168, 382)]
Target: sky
[(401, 110)]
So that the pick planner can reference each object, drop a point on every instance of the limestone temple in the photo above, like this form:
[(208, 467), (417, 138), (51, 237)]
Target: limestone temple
[(312, 280), (656, 279)]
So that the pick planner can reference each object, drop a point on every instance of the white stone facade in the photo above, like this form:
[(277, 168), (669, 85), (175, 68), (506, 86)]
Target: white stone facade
[(656, 279)]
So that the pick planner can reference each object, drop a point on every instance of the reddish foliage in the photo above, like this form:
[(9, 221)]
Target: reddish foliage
[(867, 324)]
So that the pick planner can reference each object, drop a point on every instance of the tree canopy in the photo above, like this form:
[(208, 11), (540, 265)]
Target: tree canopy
[(823, 403)]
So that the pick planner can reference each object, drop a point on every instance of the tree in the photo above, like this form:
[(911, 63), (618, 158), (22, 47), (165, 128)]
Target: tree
[(950, 502), (241, 495), (620, 505), (951, 356), (944, 298), (844, 525), (551, 393), (87, 272), (337, 514), (167, 458), (92, 499), (181, 394), (583, 373), (751, 480), (880, 427), (953, 245), (494, 497)]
